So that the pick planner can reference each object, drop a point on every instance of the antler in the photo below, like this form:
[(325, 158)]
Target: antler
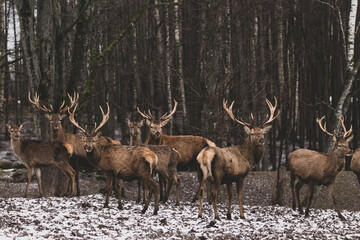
[(229, 111), (37, 104), (323, 128), (72, 119), (144, 115), (346, 133), (105, 118), (166, 115), (272, 111)]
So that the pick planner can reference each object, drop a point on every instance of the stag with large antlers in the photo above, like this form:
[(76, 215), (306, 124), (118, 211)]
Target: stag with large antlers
[(122, 162), (34, 154), (315, 168), (188, 146), (233, 164), (355, 164), (168, 159), (57, 131)]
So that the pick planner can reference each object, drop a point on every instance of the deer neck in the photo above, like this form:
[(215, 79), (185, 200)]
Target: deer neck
[(336, 161), (154, 141), (17, 146), (135, 140), (251, 152), (94, 156), (57, 134)]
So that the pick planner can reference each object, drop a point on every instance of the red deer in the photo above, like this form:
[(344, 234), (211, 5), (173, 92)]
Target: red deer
[(355, 164), (315, 168), (167, 163), (34, 154), (232, 164), (57, 132), (188, 146), (122, 162)]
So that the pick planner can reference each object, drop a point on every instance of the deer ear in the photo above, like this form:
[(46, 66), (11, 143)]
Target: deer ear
[(128, 121), (141, 123), (247, 130), (148, 122), (350, 138), (163, 123), (48, 116), (8, 126), (63, 116), (20, 127), (98, 135), (334, 138), (266, 128), (80, 135)]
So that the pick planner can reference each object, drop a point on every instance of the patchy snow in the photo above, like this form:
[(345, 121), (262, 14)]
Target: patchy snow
[(85, 218)]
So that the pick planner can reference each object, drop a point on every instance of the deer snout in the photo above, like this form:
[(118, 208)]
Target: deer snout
[(262, 140), (17, 136), (157, 134), (88, 148), (350, 152), (136, 133)]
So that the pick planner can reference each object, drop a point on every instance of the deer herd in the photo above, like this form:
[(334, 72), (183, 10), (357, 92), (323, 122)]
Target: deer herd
[(165, 155)]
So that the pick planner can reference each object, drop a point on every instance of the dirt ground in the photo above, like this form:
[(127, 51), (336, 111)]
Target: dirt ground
[(257, 189)]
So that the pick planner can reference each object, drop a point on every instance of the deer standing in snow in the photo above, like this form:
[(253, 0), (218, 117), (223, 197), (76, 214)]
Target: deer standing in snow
[(34, 154), (188, 146), (122, 162), (168, 159), (315, 168), (232, 164)]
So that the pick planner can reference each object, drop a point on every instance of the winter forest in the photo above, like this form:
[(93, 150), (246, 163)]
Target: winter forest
[(147, 53)]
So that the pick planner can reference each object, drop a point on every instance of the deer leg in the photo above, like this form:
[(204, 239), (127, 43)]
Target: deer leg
[(202, 189), (38, 178), (177, 181), (332, 198), (29, 175), (292, 186), (230, 192), (143, 191), (77, 172), (109, 179), (72, 174), (200, 177), (297, 188), (239, 187), (118, 189), (214, 190), (358, 177), (138, 200), (161, 184), (152, 189), (310, 196), (66, 173)]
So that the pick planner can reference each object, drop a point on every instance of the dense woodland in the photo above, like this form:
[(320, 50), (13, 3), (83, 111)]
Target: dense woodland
[(146, 53)]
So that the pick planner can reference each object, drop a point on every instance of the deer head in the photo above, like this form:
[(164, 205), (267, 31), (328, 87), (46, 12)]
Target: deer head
[(256, 134), (341, 141), (90, 139), (55, 117), (157, 125), (135, 127), (15, 133)]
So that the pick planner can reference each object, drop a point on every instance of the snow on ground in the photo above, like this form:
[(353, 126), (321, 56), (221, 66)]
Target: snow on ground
[(85, 218)]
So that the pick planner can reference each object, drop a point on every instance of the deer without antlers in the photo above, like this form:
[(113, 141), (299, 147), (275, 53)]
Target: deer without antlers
[(34, 154), (187, 145), (168, 159), (314, 168), (122, 162), (232, 164), (57, 131)]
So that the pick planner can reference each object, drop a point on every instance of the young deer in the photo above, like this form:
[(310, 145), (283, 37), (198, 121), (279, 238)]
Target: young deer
[(57, 131), (34, 154), (314, 168), (167, 163), (122, 162), (355, 164), (188, 146), (232, 164)]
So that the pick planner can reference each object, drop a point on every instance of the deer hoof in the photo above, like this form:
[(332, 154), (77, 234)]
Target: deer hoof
[(242, 216), (228, 216)]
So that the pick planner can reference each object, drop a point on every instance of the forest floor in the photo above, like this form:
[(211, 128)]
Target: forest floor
[(84, 217)]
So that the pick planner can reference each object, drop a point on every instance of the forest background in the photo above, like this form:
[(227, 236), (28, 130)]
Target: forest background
[(147, 53)]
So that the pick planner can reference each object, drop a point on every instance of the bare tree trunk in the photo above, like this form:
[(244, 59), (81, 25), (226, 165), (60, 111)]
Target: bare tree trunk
[(136, 70), (168, 67)]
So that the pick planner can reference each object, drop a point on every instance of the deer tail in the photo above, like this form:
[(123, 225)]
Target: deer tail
[(152, 159), (205, 158)]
